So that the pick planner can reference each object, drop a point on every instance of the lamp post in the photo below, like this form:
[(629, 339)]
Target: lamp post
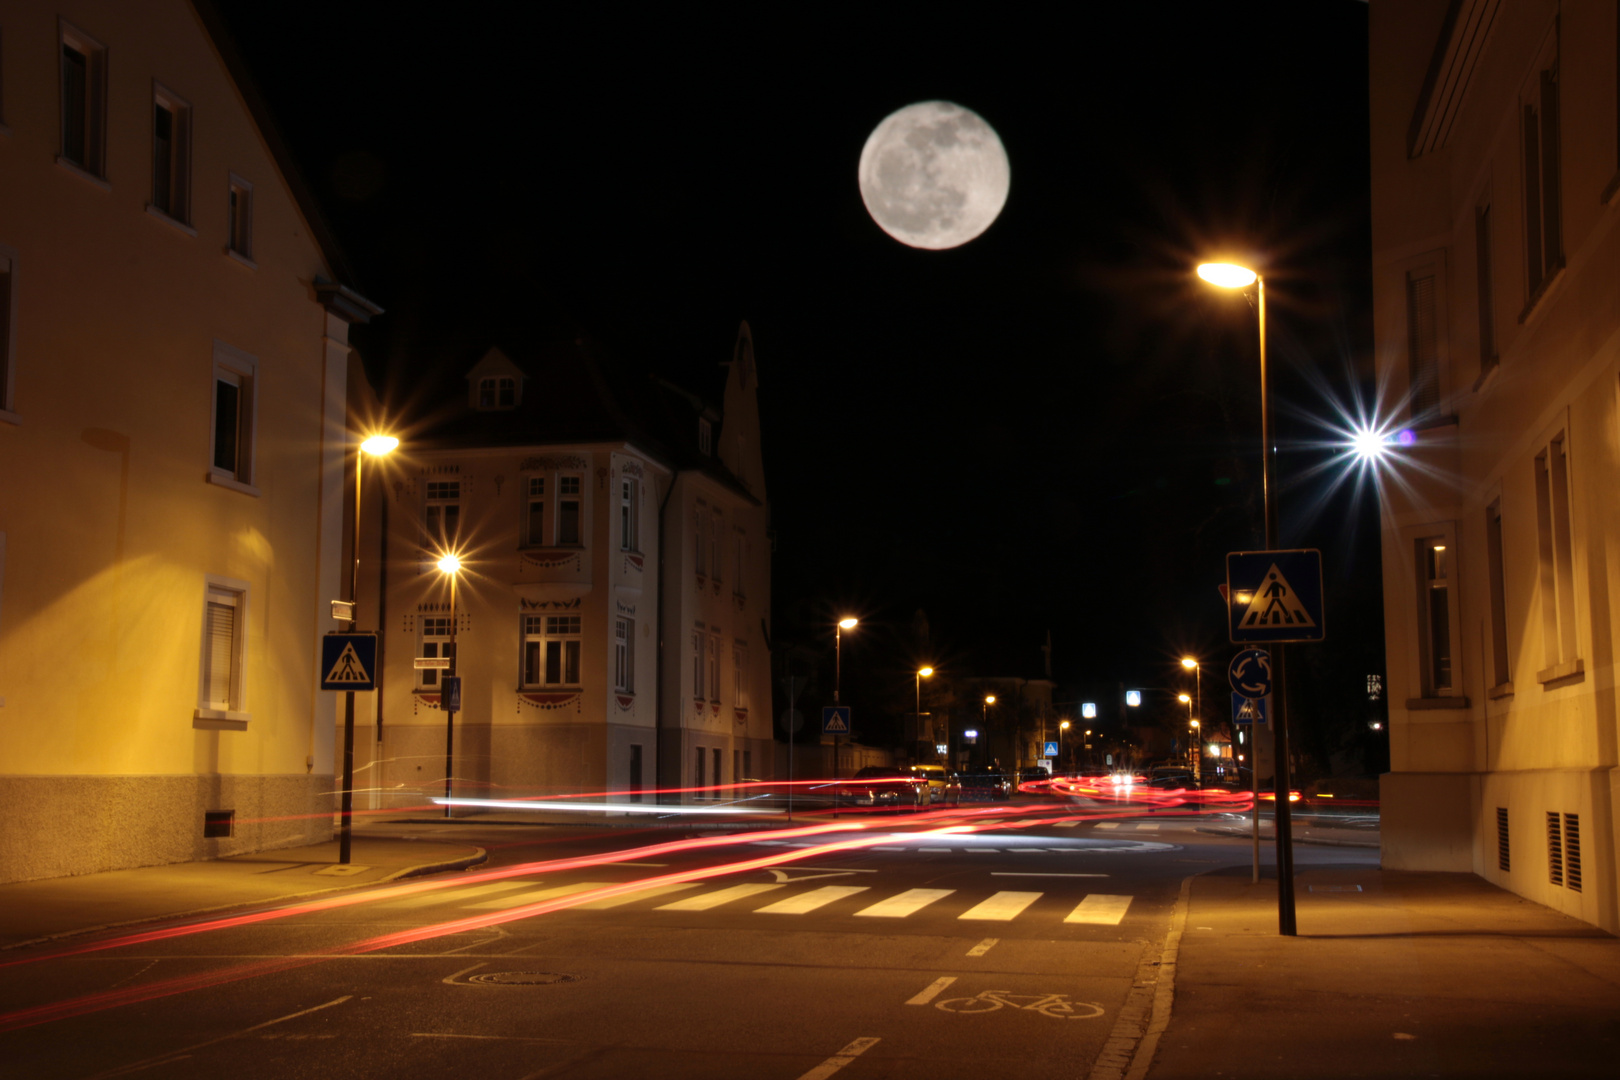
[(377, 446), (984, 714), (848, 622), (450, 565), (1230, 276), (922, 673), (1062, 727)]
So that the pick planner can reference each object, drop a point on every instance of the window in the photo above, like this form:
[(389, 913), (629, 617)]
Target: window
[(699, 647), (748, 763), (497, 393), (1487, 288), (551, 650), (1500, 675), (235, 383), (224, 628), (714, 667), (239, 219), (435, 642), (84, 102), (697, 772), (441, 516), (8, 333), (1556, 558), (739, 674), (629, 514), (624, 655), (700, 547), (1423, 344), (718, 778), (716, 531), (1434, 614), (171, 156), (534, 512), (736, 766), (1543, 224), (635, 772), (739, 556), (568, 497)]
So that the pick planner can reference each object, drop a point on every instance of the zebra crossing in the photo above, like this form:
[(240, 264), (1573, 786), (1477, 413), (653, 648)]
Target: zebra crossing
[(1095, 909)]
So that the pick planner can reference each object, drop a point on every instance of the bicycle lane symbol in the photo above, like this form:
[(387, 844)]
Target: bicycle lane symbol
[(1057, 1006)]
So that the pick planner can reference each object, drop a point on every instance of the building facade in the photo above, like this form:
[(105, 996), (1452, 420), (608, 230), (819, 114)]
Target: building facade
[(173, 356), (610, 621), (1495, 140)]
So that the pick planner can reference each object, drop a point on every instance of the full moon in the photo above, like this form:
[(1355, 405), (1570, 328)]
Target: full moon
[(934, 175)]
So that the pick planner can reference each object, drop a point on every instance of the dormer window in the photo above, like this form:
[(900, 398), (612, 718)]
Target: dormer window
[(704, 440), (497, 393)]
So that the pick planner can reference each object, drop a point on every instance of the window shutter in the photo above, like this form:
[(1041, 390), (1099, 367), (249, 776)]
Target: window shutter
[(221, 654)]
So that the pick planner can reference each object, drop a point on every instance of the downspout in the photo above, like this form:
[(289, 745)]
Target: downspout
[(658, 680)]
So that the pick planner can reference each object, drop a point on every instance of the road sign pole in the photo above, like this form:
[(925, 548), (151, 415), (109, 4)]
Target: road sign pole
[(450, 714), (346, 817)]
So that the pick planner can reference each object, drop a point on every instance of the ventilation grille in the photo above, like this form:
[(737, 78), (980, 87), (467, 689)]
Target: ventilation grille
[(1555, 848), (218, 824), (1503, 862), (1572, 851)]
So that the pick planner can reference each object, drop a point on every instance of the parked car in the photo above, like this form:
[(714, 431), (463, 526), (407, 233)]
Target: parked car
[(986, 782), (1035, 774), (884, 787), (943, 787)]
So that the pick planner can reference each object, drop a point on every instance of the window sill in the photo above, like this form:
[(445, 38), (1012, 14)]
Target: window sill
[(1422, 703), (10, 417), (1571, 670), (1542, 290), (241, 258), (1500, 690), (220, 720), (1486, 375), (83, 174), (226, 480), (172, 222)]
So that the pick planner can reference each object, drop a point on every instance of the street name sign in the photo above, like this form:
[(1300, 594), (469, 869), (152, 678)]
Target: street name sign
[(349, 662), (432, 663), (835, 720), (1274, 596)]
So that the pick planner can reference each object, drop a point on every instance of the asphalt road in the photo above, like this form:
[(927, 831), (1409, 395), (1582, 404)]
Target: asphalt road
[(913, 953)]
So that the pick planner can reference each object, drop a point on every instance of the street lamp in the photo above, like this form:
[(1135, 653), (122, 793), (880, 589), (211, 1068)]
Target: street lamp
[(1062, 727), (1232, 276), (450, 685), (376, 446), (922, 673), (848, 622)]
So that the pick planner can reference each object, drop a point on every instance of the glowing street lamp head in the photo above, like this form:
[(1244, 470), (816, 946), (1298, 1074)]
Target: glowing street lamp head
[(925, 672), (1185, 699), (1064, 726), (989, 699), (450, 564), (1189, 663), (848, 623), (1227, 275), (378, 445)]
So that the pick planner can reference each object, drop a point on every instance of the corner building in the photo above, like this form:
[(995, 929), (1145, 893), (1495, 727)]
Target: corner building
[(611, 620), (173, 362), (1495, 141)]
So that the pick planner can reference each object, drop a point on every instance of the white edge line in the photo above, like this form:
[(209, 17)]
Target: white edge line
[(840, 1059)]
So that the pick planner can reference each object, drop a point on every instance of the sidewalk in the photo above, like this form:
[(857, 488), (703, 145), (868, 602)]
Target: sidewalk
[(1306, 829), (1393, 974), (37, 910)]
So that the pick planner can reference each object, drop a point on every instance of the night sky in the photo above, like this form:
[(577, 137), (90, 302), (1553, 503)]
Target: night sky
[(1053, 428)]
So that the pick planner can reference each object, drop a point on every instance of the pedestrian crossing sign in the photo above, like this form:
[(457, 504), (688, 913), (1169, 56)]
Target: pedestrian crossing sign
[(835, 720), (1274, 596), (1250, 710), (349, 662)]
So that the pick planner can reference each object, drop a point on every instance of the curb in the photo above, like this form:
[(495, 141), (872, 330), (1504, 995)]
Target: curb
[(1128, 1052), (1320, 841), (479, 855)]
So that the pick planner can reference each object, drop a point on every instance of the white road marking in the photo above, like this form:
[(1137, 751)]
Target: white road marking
[(932, 990), (715, 899), (633, 864), (1147, 826), (1067, 824), (983, 947), (520, 899), (984, 851), (1002, 907), (1037, 873), (809, 901), (936, 850), (1107, 824), (640, 894), (902, 904), (840, 1059), (1099, 909), (886, 849), (428, 899)]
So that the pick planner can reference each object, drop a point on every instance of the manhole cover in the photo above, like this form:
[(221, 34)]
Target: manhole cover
[(522, 978)]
